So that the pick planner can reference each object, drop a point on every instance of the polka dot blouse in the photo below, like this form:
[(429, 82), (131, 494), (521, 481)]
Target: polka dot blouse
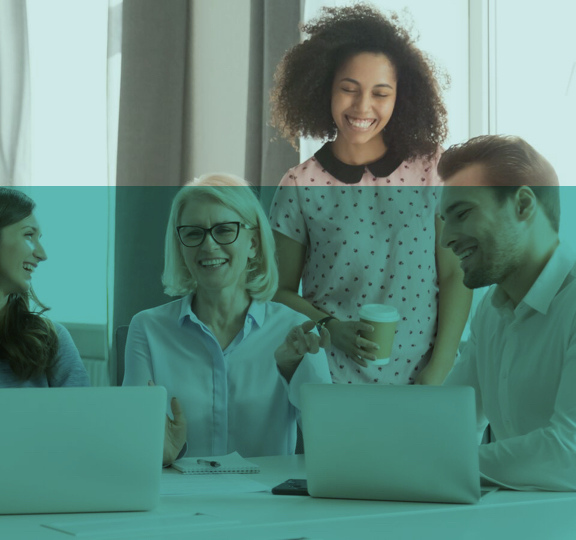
[(369, 239)]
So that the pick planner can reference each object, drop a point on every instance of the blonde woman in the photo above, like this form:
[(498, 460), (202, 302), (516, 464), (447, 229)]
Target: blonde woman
[(233, 359)]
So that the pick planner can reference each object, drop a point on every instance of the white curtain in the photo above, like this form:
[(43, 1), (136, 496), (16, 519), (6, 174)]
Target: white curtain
[(114, 71), (14, 94), (115, 8)]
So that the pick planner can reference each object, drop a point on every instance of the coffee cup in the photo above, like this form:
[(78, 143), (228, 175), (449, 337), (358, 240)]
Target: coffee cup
[(383, 318)]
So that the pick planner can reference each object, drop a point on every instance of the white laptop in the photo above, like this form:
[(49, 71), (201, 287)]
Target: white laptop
[(393, 443), (80, 449)]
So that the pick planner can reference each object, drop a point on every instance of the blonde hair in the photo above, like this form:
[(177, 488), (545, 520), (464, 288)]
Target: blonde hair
[(236, 194)]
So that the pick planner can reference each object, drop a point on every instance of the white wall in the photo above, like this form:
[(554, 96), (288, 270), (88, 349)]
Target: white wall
[(221, 42)]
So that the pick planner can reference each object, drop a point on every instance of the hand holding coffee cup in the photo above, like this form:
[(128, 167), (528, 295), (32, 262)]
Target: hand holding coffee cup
[(383, 318)]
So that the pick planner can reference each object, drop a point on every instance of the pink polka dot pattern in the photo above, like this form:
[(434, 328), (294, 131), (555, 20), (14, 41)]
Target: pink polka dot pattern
[(371, 242)]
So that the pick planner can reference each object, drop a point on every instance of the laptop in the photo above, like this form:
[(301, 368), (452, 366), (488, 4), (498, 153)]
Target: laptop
[(81, 449), (391, 443)]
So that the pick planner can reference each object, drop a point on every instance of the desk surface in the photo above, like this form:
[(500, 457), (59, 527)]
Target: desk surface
[(254, 516)]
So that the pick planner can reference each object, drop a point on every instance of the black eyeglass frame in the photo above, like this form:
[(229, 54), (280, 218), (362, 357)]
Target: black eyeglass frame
[(206, 231)]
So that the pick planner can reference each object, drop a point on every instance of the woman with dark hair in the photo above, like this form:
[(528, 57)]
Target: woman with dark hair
[(372, 236), (34, 352)]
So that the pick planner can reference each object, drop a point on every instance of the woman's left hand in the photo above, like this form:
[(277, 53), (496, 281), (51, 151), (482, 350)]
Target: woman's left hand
[(175, 432), (299, 342)]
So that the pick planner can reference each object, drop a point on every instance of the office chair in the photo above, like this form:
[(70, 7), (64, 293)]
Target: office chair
[(121, 335)]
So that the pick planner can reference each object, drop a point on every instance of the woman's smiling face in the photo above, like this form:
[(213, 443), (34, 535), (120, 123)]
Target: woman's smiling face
[(363, 98), (20, 253), (216, 267)]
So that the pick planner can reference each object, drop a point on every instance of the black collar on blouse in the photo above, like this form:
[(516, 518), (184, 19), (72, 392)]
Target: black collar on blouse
[(352, 174)]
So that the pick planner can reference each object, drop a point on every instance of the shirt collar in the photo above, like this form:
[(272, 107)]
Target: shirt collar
[(546, 286), (186, 310), (256, 313), (352, 174)]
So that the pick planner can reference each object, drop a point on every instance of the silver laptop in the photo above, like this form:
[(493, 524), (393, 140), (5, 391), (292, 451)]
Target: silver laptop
[(80, 449), (393, 443)]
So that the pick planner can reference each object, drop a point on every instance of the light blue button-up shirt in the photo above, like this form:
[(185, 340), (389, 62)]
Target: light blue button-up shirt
[(234, 399), (522, 363)]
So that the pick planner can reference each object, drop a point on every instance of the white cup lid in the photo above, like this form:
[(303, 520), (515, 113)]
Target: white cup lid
[(379, 313)]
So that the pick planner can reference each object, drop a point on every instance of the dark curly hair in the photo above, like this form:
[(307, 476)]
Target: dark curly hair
[(28, 341), (302, 93)]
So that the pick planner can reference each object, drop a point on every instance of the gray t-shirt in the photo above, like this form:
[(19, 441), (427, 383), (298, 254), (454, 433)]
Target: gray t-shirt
[(68, 369)]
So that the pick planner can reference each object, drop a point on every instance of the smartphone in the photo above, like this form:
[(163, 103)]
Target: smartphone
[(291, 487)]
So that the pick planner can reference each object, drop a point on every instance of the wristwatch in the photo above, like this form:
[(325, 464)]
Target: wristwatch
[(323, 322)]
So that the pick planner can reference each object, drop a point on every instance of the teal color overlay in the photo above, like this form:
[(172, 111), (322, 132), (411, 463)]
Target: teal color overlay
[(76, 225)]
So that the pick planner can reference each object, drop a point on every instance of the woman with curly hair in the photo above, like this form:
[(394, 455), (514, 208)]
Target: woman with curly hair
[(34, 352), (372, 235)]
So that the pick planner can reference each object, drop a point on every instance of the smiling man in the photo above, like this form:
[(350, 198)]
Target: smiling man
[(501, 209)]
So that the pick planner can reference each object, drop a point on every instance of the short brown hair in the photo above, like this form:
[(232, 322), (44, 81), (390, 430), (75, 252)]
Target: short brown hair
[(510, 163)]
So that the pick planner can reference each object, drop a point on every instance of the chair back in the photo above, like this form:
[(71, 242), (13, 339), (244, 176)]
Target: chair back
[(120, 338)]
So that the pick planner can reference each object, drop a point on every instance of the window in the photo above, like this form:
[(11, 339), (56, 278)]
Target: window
[(535, 78), (68, 65), (68, 72), (73, 281)]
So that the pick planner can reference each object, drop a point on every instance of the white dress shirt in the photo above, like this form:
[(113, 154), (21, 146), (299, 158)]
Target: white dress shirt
[(236, 399), (522, 364)]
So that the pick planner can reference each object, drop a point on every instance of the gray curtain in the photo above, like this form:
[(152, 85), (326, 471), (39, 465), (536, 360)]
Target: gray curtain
[(154, 121), (141, 217), (273, 30), (153, 141)]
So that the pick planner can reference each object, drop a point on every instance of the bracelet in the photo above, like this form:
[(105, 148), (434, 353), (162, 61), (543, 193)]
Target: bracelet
[(323, 322)]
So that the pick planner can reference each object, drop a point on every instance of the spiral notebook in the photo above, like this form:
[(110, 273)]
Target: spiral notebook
[(232, 463)]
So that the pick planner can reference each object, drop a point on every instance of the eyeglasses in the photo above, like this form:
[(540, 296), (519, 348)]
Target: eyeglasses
[(222, 233)]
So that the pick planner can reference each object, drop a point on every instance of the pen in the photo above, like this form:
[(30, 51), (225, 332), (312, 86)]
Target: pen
[(214, 464)]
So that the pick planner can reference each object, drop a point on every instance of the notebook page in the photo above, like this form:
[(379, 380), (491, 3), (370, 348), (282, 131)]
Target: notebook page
[(232, 463)]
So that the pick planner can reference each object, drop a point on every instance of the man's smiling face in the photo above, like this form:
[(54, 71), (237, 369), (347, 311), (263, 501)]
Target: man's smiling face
[(481, 230)]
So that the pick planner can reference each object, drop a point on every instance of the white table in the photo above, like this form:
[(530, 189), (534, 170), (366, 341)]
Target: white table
[(499, 515)]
